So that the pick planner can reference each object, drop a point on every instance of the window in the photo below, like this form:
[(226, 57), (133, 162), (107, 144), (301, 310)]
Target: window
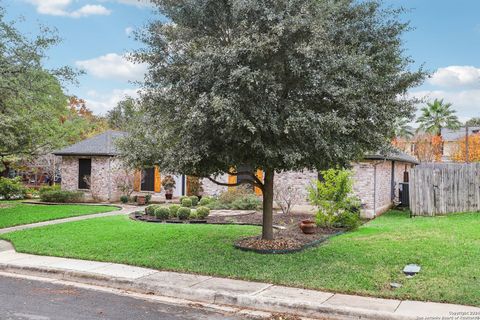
[(84, 173)]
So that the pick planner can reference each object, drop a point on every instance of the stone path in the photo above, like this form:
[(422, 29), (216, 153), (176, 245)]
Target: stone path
[(230, 213), (237, 293), (126, 209)]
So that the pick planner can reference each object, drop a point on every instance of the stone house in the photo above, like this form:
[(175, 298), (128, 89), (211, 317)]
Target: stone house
[(92, 166)]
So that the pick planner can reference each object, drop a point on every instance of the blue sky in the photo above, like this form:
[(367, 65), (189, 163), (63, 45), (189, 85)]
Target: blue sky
[(97, 33)]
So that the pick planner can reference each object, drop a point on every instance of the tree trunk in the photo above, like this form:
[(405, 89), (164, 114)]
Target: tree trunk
[(267, 227)]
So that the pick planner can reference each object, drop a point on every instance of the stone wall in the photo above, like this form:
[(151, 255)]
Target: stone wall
[(106, 172)]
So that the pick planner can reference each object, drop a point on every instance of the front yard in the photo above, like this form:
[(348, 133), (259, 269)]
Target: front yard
[(363, 262), (14, 213)]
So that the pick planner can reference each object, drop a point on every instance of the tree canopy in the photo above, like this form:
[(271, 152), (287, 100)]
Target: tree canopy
[(32, 100), (277, 85), (473, 122)]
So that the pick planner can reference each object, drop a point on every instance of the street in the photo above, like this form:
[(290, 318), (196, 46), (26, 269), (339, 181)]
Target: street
[(22, 299)]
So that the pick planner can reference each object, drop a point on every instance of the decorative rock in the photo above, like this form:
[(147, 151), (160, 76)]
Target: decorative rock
[(411, 269), (395, 285)]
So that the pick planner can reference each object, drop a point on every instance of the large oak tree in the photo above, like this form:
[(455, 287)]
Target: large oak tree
[(271, 84)]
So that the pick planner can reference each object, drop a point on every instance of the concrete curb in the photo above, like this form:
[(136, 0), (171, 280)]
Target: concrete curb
[(307, 309)]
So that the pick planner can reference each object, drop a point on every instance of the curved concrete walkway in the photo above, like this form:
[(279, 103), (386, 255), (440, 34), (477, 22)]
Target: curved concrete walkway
[(125, 209), (220, 291)]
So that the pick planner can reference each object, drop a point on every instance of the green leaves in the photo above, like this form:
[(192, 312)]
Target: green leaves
[(287, 84), (438, 115)]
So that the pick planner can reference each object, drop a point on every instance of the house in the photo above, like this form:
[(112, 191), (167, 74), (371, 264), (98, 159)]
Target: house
[(451, 139), (92, 165)]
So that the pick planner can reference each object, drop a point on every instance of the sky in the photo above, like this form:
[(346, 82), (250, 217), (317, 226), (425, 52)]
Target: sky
[(97, 34)]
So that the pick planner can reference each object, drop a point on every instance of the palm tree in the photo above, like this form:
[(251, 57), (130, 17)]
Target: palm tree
[(402, 129), (438, 115)]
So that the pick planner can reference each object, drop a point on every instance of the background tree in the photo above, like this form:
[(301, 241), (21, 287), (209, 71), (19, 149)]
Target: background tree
[(460, 154), (438, 115), (122, 114), (428, 148), (473, 122), (276, 85), (32, 101)]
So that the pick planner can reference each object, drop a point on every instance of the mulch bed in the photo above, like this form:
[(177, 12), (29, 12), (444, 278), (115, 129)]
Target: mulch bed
[(287, 235)]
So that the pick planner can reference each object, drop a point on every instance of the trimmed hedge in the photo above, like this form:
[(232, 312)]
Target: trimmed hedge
[(187, 202), (202, 212), (194, 200), (183, 213), (162, 213), (173, 210), (61, 196)]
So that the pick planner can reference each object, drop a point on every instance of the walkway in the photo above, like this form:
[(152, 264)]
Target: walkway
[(220, 291), (126, 209)]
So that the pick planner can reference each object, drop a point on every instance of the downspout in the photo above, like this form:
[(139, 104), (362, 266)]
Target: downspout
[(392, 183)]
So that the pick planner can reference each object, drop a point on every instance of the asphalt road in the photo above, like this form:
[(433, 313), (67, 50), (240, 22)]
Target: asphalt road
[(22, 299)]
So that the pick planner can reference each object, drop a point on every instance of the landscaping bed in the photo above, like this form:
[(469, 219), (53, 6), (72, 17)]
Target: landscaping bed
[(288, 236)]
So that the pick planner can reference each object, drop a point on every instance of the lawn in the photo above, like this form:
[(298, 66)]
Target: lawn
[(363, 262), (13, 213)]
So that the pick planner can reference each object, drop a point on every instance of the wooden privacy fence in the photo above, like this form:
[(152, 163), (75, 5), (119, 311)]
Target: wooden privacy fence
[(437, 189)]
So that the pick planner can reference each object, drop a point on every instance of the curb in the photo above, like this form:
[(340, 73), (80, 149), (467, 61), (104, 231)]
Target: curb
[(306, 309)]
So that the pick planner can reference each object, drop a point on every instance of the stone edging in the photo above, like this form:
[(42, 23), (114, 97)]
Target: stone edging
[(285, 251)]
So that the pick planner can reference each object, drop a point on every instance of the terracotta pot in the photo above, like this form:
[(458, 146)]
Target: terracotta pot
[(168, 196), (141, 200), (308, 226)]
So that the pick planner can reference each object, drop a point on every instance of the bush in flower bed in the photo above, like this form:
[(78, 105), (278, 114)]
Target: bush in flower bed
[(206, 200), (193, 215), (11, 188), (162, 213), (187, 202), (183, 213), (61, 196), (194, 200), (173, 210), (202, 212), (150, 210)]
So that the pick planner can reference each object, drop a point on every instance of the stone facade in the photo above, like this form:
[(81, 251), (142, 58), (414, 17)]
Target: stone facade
[(105, 172)]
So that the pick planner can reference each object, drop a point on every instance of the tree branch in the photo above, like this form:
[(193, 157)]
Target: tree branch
[(238, 183)]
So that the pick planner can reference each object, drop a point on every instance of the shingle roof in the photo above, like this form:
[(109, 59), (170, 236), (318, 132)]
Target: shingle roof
[(454, 135), (99, 145), (392, 156)]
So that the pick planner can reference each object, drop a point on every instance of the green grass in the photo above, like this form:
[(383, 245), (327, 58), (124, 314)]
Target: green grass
[(13, 213), (362, 262)]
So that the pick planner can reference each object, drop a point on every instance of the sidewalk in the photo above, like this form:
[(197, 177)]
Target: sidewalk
[(220, 291), (124, 209)]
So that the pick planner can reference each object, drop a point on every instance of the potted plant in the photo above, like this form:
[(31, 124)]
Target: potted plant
[(308, 226), (168, 184), (195, 187)]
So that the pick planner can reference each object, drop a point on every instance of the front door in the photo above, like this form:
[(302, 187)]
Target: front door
[(148, 179)]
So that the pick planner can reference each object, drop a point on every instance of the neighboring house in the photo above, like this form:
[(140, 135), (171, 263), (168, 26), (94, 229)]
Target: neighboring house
[(449, 143), (377, 178)]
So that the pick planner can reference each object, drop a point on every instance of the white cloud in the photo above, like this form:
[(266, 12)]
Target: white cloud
[(61, 8), (113, 66), (128, 30), (100, 103), (456, 76), (138, 3)]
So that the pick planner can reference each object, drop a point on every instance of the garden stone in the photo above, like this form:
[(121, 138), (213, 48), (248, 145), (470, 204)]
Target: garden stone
[(395, 285), (411, 269)]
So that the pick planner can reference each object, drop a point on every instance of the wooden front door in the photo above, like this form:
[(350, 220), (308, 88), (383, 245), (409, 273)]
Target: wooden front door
[(148, 179)]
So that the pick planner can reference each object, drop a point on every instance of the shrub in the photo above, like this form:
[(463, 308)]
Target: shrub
[(233, 194), (202, 212), (187, 202), (124, 199), (205, 200), (173, 210), (148, 197), (11, 188), (183, 213), (193, 214), (333, 198), (248, 202), (49, 188), (194, 200), (150, 210), (162, 213), (61, 196), (347, 220), (182, 197)]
